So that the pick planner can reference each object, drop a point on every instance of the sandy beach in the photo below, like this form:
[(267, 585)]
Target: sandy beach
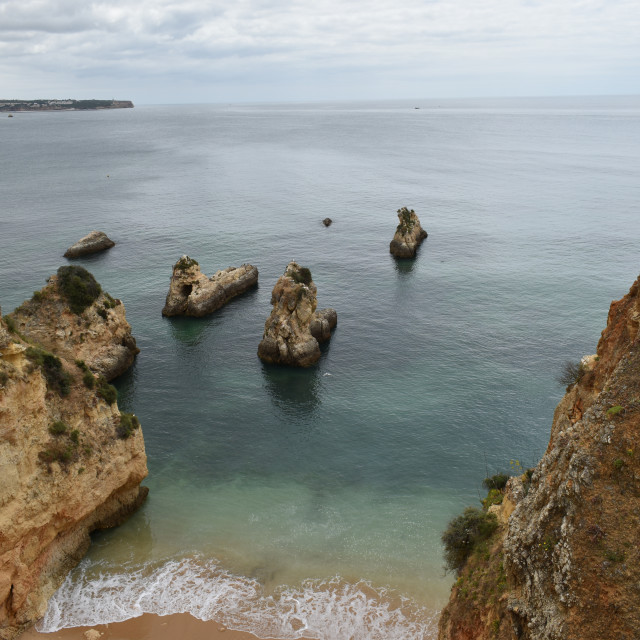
[(148, 627)]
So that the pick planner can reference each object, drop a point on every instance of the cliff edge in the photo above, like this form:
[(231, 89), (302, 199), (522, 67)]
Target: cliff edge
[(70, 463), (565, 562)]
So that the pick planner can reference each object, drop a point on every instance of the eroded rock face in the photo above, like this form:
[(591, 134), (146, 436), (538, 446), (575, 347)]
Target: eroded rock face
[(91, 243), (288, 337), (408, 236), (66, 469), (100, 335), (191, 293), (569, 548)]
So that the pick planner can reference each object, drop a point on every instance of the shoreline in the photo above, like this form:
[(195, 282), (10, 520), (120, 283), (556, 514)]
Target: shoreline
[(150, 626)]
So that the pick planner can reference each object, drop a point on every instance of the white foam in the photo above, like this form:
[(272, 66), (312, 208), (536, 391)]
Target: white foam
[(327, 610)]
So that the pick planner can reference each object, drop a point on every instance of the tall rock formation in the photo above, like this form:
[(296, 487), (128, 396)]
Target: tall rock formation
[(75, 319), (292, 331), (567, 559), (191, 293), (408, 236), (70, 462)]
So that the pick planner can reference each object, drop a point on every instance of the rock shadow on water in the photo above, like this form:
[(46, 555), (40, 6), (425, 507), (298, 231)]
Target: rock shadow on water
[(294, 391), (188, 330), (404, 266)]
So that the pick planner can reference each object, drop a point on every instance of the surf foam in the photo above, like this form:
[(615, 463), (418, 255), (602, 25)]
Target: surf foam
[(326, 610)]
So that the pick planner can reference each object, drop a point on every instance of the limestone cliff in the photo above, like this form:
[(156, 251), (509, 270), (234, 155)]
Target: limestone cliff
[(408, 236), (70, 463), (191, 293), (97, 333), (569, 553), (292, 331)]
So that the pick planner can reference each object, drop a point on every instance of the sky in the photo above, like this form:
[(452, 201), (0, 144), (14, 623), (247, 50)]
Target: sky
[(202, 51)]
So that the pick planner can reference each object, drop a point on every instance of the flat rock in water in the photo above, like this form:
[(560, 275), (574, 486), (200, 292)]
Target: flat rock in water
[(91, 243)]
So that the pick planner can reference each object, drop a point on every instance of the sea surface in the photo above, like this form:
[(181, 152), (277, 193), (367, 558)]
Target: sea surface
[(310, 503)]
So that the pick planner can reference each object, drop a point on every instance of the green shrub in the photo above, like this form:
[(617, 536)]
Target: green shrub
[(64, 454), (185, 263), (88, 379), (463, 534), (614, 411), (74, 436), (78, 287), (57, 378), (11, 324), (618, 463), (498, 481), (38, 296), (128, 424), (301, 276), (4, 377), (406, 222), (106, 391), (109, 302), (571, 373), (493, 497), (81, 365), (57, 428), (102, 313)]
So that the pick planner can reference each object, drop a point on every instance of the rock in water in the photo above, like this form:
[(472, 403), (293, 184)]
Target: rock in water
[(288, 335), (191, 293), (75, 319), (70, 463), (327, 221), (408, 236), (92, 243)]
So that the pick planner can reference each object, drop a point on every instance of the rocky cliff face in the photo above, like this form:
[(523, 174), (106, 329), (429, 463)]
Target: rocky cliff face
[(191, 293), (99, 334), (408, 236), (70, 462), (569, 553), (292, 331)]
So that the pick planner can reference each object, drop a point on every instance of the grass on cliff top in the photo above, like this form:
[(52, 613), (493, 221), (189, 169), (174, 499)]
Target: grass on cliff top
[(128, 424), (406, 223), (78, 287), (301, 276), (185, 263)]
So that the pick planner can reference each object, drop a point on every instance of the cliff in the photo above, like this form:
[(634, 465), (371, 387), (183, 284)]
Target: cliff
[(567, 554), (70, 463), (293, 329), (72, 317), (191, 293), (408, 236)]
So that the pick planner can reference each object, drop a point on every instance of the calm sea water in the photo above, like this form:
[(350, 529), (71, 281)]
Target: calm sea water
[(305, 503)]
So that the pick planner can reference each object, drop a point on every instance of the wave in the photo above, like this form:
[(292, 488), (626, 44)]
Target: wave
[(322, 609)]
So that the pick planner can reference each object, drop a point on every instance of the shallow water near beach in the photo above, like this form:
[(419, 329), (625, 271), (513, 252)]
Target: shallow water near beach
[(310, 503)]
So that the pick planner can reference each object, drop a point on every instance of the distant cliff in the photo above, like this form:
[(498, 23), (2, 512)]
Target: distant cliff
[(63, 105), (564, 563), (70, 461)]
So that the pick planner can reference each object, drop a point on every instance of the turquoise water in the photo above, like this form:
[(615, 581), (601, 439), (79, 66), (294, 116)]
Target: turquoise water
[(320, 495)]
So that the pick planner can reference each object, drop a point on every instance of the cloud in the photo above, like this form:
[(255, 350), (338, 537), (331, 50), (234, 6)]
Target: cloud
[(213, 40)]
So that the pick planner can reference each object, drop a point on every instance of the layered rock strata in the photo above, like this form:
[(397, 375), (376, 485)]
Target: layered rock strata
[(568, 555), (99, 335), (191, 293), (288, 334), (70, 463), (408, 236), (91, 243)]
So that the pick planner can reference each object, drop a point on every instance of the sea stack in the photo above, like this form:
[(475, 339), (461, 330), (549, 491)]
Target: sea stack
[(73, 317), (91, 243), (191, 293), (408, 236), (70, 463), (288, 335)]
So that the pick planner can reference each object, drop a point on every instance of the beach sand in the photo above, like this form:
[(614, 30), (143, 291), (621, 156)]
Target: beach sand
[(149, 627)]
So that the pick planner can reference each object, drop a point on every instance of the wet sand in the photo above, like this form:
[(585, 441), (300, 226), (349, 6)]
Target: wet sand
[(149, 627)]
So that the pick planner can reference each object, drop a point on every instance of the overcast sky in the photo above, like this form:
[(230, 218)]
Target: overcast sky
[(169, 51)]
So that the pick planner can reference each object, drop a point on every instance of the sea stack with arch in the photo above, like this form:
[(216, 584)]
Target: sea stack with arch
[(192, 293), (294, 328), (408, 236)]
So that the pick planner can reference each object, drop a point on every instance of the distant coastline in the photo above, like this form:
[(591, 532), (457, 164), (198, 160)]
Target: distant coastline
[(63, 105)]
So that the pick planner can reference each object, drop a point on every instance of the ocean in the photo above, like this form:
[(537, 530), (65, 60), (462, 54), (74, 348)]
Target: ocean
[(310, 503)]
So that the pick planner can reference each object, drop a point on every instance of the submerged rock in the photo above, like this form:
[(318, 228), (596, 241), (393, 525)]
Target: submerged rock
[(91, 243), (288, 337), (408, 236), (191, 293), (72, 317), (327, 221)]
